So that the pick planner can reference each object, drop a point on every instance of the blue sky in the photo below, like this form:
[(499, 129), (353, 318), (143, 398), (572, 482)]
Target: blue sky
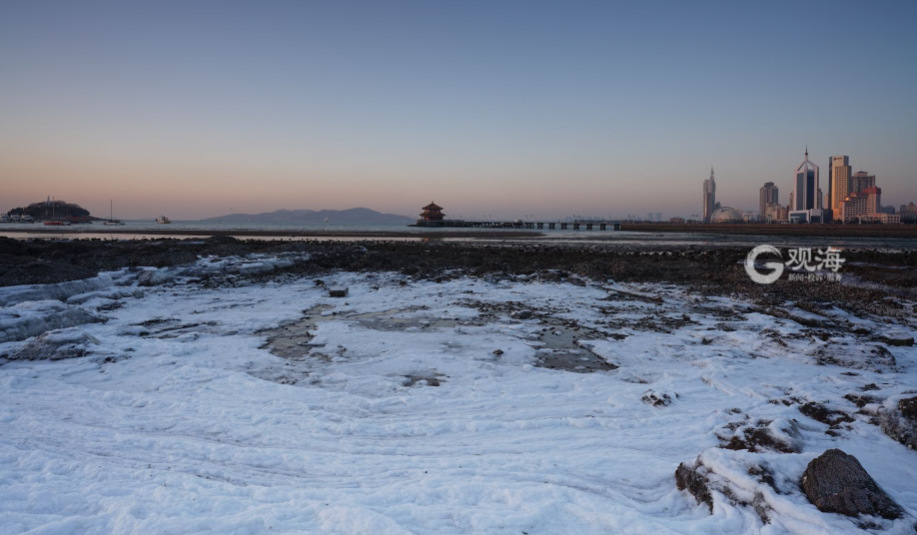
[(497, 108)]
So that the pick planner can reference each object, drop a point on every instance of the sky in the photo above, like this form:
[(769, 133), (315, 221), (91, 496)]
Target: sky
[(492, 109)]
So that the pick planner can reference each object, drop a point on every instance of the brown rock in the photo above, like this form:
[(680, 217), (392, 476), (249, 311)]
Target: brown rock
[(693, 478)]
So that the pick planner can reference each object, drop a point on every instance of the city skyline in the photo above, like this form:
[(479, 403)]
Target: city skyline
[(551, 110)]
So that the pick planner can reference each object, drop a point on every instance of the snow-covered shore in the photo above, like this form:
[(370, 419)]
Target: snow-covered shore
[(468, 405)]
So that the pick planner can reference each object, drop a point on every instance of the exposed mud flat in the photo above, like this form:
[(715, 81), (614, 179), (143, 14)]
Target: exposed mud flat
[(872, 280)]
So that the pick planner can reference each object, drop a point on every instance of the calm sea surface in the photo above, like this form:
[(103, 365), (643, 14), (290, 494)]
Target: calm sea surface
[(142, 229)]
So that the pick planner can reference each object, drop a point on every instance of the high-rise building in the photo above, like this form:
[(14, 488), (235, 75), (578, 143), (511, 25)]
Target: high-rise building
[(908, 212), (862, 180), (873, 200), (866, 203), (709, 197), (839, 183), (854, 207), (775, 212), (768, 195), (807, 205)]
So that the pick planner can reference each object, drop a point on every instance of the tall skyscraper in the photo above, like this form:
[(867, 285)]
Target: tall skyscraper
[(709, 197), (873, 199), (769, 194), (839, 183), (862, 180), (806, 206)]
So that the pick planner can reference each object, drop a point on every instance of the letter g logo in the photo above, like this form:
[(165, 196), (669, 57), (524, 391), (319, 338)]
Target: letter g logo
[(757, 276)]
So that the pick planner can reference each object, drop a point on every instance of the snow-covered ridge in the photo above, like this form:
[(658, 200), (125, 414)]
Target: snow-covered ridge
[(204, 399)]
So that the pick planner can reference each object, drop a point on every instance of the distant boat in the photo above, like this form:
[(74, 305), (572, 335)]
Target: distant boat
[(5, 219), (111, 216), (163, 220), (56, 222)]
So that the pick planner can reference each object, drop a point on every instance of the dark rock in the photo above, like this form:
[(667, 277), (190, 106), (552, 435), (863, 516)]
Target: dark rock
[(693, 478), (338, 292), (521, 314), (764, 475), (576, 281), (153, 277), (55, 346), (881, 357), (699, 480), (40, 272), (9, 246), (765, 435), (161, 256), (898, 339), (901, 424), (908, 408), (861, 400), (819, 412), (875, 357), (657, 399), (429, 380), (835, 482)]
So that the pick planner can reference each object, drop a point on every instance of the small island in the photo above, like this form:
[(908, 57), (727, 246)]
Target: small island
[(49, 210)]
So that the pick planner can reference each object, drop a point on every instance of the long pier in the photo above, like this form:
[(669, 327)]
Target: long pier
[(527, 225)]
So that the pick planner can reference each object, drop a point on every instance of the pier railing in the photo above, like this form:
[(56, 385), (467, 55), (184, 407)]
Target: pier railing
[(528, 225)]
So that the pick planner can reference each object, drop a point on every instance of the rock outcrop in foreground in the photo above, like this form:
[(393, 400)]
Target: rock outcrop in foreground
[(834, 482), (837, 483)]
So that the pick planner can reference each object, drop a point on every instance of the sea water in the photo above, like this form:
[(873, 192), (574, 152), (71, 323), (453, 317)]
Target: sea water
[(637, 240)]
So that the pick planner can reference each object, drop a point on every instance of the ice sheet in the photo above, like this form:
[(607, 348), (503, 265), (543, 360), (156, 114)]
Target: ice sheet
[(421, 407)]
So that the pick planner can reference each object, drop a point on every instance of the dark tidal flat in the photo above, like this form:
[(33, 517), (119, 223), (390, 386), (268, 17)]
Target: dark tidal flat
[(877, 280)]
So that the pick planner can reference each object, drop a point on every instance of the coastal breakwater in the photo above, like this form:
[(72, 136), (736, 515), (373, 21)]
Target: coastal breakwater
[(876, 231)]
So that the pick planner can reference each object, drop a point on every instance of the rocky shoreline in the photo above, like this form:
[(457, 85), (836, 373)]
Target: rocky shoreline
[(872, 281)]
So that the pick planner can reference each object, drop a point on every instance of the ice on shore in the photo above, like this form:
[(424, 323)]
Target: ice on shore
[(428, 407)]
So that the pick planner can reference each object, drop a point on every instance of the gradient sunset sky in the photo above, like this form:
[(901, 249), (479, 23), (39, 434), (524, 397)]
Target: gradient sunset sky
[(495, 108)]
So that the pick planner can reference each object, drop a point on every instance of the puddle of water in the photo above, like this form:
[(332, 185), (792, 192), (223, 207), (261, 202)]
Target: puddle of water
[(294, 340), (559, 343), (561, 348)]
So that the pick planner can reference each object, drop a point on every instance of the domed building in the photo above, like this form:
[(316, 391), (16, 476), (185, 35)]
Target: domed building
[(726, 214)]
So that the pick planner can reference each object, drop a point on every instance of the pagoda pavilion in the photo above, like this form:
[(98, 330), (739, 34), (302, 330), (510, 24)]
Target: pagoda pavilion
[(431, 214)]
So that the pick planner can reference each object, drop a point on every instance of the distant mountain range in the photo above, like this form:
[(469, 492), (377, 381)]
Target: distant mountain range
[(354, 216)]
